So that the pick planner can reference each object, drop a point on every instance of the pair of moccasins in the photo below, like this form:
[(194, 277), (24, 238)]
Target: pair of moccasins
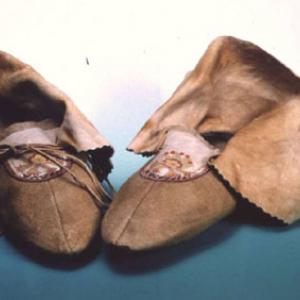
[(53, 160)]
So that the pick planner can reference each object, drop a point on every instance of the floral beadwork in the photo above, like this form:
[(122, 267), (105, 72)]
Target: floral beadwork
[(34, 167), (171, 166)]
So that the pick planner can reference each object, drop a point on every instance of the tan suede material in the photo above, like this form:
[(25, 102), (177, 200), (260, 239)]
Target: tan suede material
[(147, 214), (233, 83), (262, 162), (56, 215), (237, 89), (25, 96)]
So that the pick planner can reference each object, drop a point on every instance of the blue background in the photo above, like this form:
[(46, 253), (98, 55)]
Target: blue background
[(243, 257), (139, 51)]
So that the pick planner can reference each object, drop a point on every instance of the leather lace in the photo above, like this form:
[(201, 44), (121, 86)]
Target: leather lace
[(51, 152)]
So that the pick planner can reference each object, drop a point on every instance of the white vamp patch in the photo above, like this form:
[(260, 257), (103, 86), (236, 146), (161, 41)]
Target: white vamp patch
[(184, 156), (35, 167)]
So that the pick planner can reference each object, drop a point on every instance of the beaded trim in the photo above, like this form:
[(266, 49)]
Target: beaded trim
[(34, 167), (172, 166)]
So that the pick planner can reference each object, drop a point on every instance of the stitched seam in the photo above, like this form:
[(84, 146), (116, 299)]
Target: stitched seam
[(59, 217), (134, 211)]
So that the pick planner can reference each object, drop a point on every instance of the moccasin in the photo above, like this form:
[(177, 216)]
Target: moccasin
[(172, 198), (51, 161), (236, 90)]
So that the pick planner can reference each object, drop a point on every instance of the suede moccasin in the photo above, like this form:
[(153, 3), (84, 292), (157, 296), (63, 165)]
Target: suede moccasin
[(236, 90), (172, 198), (51, 158)]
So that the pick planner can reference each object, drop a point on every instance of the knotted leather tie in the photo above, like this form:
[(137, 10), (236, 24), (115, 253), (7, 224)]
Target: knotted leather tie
[(51, 152)]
